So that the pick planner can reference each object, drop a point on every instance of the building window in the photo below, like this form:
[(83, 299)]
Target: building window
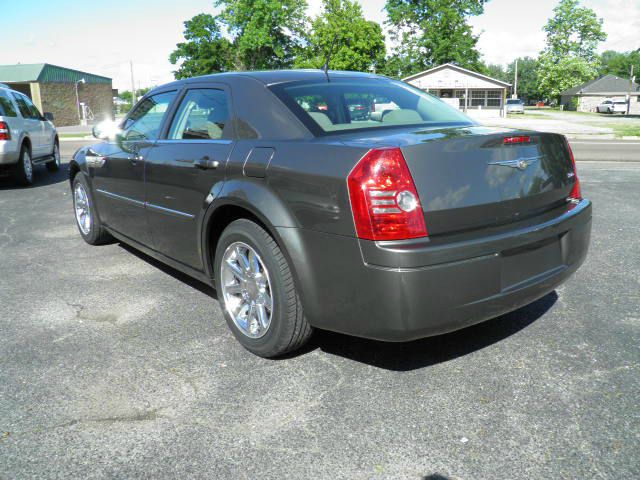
[(493, 98), (460, 96), (478, 98)]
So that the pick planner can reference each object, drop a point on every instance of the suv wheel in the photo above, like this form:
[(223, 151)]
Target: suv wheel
[(256, 290), (89, 224), (24, 168), (54, 165)]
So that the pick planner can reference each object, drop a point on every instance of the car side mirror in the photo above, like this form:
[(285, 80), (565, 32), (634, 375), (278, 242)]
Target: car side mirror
[(48, 116)]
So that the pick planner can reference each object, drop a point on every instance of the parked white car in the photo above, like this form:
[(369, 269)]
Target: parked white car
[(515, 105), (27, 137), (612, 106)]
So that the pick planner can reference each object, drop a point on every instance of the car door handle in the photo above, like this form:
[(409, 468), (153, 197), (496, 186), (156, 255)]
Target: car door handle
[(206, 163), (135, 159)]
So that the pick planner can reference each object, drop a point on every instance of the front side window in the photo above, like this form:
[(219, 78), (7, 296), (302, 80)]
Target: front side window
[(6, 107), (202, 115), (339, 105), (145, 121)]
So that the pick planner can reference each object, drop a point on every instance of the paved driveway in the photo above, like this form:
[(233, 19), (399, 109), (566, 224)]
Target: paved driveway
[(113, 366)]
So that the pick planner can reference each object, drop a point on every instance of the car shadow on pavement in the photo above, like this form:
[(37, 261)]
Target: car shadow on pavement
[(433, 350), (177, 274), (42, 177)]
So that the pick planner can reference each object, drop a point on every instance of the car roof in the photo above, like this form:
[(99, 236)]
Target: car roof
[(272, 77)]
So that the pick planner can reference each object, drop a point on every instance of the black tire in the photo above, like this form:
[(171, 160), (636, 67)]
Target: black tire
[(24, 173), (54, 165), (289, 329), (96, 233)]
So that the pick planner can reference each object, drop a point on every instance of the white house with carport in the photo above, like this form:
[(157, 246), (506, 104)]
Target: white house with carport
[(473, 90)]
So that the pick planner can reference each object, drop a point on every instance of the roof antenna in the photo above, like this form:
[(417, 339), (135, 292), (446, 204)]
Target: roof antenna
[(325, 68)]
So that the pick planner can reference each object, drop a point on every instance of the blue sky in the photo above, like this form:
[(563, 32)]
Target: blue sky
[(101, 36)]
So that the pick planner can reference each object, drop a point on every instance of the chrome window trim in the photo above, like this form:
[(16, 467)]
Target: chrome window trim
[(180, 140)]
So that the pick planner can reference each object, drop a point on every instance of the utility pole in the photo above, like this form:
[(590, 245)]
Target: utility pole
[(630, 90), (515, 82), (133, 86)]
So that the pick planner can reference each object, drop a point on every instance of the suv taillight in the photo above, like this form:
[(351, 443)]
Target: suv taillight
[(5, 133), (384, 198), (576, 193)]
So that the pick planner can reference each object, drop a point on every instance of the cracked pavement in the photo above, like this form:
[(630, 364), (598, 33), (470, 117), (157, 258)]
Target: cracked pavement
[(115, 366)]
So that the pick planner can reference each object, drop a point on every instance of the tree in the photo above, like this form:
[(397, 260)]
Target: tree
[(266, 33), (359, 43), (433, 32), (569, 59), (496, 71), (619, 63), (205, 51)]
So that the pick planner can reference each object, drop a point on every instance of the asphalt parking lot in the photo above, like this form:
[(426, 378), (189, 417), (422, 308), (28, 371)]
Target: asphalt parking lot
[(114, 366)]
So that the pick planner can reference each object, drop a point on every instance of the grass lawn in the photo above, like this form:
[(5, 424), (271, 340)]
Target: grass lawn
[(625, 130)]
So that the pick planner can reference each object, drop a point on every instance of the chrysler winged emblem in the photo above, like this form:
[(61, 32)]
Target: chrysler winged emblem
[(519, 163)]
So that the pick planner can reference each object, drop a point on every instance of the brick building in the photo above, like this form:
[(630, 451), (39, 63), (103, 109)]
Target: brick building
[(53, 89)]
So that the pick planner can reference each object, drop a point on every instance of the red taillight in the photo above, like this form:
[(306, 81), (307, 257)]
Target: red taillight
[(5, 133), (575, 194), (384, 198), (518, 139)]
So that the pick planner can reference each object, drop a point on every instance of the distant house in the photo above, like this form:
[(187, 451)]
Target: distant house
[(53, 89), (589, 95), (473, 90)]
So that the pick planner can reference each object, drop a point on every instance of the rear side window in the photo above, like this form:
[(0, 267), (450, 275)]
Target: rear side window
[(21, 101), (6, 107), (203, 115), (145, 120), (339, 105)]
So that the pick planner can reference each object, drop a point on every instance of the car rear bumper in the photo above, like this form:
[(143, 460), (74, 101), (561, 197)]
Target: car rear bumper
[(399, 291), (7, 155)]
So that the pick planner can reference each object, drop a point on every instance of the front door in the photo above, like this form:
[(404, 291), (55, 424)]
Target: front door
[(118, 169), (182, 170)]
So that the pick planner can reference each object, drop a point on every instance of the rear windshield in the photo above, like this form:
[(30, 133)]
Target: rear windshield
[(514, 102), (339, 105)]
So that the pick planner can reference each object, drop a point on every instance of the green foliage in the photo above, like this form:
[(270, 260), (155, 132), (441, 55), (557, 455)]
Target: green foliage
[(619, 63), (359, 43), (260, 34), (266, 33), (432, 32), (568, 72), (497, 71), (569, 59), (205, 50), (574, 31)]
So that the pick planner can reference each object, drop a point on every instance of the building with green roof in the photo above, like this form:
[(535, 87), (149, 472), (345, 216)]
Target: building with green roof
[(72, 96)]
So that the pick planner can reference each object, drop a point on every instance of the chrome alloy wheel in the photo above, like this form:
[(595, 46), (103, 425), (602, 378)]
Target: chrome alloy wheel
[(27, 165), (81, 206), (246, 289)]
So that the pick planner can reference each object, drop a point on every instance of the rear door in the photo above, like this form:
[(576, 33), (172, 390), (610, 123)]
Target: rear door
[(32, 124), (118, 168), (184, 167)]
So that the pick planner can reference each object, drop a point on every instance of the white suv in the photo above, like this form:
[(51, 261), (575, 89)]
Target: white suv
[(27, 138)]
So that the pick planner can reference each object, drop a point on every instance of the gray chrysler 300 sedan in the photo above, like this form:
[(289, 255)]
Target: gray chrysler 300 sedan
[(403, 221)]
